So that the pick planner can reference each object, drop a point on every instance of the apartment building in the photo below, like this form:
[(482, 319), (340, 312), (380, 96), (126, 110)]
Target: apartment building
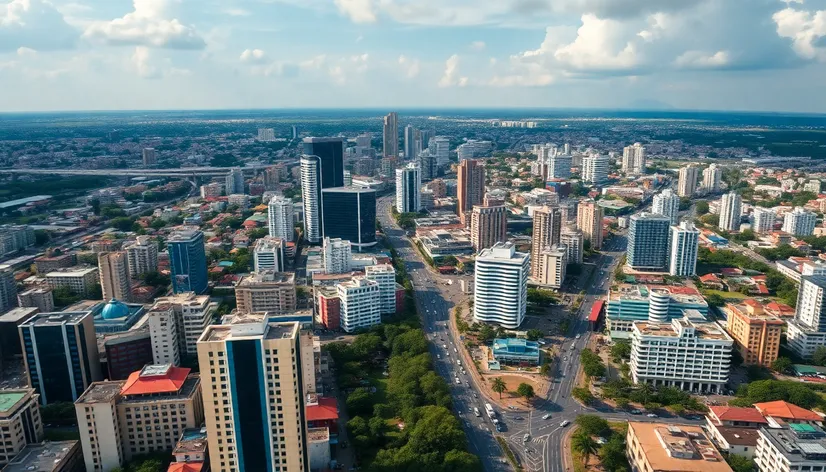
[(385, 276), (142, 256), (360, 303), (163, 330), (755, 332), (114, 275), (39, 297), (266, 291), (20, 422), (501, 286), (550, 266), (269, 254), (80, 280), (795, 447), (807, 331)]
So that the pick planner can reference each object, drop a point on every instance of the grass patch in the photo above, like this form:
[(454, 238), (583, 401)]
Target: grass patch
[(727, 295), (509, 453)]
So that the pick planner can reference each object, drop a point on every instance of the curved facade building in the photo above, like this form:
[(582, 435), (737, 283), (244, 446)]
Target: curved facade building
[(658, 303), (501, 286)]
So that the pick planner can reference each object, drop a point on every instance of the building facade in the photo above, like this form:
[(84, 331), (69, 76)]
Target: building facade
[(280, 218), (712, 175), (763, 220), (799, 222), (488, 226), (114, 275), (730, 211), (391, 135), (187, 261), (501, 286), (633, 159), (142, 256), (547, 230), (687, 181), (20, 422), (266, 291), (551, 262), (667, 203), (350, 214), (807, 331), (337, 256), (269, 254), (322, 166), (685, 244), (595, 169), (79, 280), (163, 330), (408, 188), (385, 276), (756, 334), (648, 242), (360, 304), (470, 187), (589, 220)]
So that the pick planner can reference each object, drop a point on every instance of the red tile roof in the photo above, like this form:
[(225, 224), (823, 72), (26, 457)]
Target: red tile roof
[(709, 278), (327, 409), (785, 410), (736, 413), (185, 467), (752, 303), (166, 382)]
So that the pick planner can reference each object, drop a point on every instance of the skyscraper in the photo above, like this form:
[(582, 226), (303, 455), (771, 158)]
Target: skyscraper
[(440, 147), (730, 211), (799, 222), (412, 142), (61, 354), (350, 213), (574, 241), (488, 226), (142, 256), (711, 178), (322, 166), (633, 159), (547, 228), (763, 220), (234, 182), (648, 242), (589, 221), (595, 168), (187, 261), (685, 240), (408, 188), (687, 182), (253, 395), (114, 275), (280, 218), (391, 135), (470, 188), (807, 331), (667, 204), (269, 254), (8, 290), (427, 162), (501, 286)]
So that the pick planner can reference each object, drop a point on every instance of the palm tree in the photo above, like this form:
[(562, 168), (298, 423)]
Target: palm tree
[(585, 445), (498, 385)]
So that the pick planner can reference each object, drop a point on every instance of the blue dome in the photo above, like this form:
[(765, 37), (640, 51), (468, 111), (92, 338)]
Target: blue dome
[(114, 310)]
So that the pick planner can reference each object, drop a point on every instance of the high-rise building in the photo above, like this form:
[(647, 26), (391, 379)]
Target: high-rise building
[(730, 211), (474, 148), (547, 229), (799, 222), (712, 175), (807, 331), (391, 135), (266, 291), (589, 220), (667, 203), (648, 242), (412, 142), (114, 275), (234, 183), (687, 181), (192, 314), (163, 330), (266, 134), (408, 188), (39, 297), (60, 354), (269, 254), (488, 226), (470, 187), (254, 409), (149, 157), (350, 213), (633, 159), (559, 166), (574, 241), (763, 220), (280, 218), (440, 148), (360, 303), (322, 166), (595, 168), (755, 332), (501, 286), (685, 241), (385, 276), (142, 256), (388, 167), (8, 290), (337, 255), (187, 261), (20, 423), (15, 237), (146, 413), (551, 262), (427, 162), (328, 307)]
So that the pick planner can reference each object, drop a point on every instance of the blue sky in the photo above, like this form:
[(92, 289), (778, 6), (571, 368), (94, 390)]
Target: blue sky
[(172, 54)]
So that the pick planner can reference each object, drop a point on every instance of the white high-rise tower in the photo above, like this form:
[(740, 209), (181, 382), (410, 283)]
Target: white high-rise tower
[(280, 218), (667, 204), (685, 240), (730, 211)]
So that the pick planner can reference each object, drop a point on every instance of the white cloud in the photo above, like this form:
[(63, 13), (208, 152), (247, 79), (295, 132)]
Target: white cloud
[(601, 45), (237, 12), (478, 45), (148, 25), (410, 67), (359, 11), (256, 56), (452, 77), (806, 29), (26, 52), (702, 60), (141, 61), (35, 24)]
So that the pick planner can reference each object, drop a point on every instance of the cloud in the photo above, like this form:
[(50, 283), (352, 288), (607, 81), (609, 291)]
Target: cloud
[(35, 24), (148, 25), (26, 52), (451, 77), (142, 62), (702, 60), (600, 45), (478, 45), (806, 29), (359, 11), (256, 56), (237, 12), (410, 67)]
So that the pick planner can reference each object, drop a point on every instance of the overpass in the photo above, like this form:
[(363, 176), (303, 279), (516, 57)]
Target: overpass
[(184, 173)]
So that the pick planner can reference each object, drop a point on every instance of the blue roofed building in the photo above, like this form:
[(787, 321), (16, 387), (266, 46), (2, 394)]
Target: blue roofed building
[(512, 351), (113, 316)]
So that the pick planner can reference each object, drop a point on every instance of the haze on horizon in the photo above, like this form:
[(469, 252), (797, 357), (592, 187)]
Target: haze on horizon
[(748, 55)]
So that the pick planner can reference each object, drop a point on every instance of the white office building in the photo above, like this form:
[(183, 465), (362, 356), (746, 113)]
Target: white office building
[(712, 175), (501, 286), (408, 187), (799, 222), (337, 255), (689, 353), (360, 303), (269, 254), (385, 276), (667, 203), (281, 219), (595, 169), (763, 220), (730, 211), (685, 242), (687, 181), (633, 159), (648, 242), (163, 331), (142, 256), (807, 331)]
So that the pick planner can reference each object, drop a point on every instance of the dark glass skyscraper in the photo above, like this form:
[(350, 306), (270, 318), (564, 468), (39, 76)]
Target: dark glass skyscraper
[(350, 213), (187, 260), (322, 166)]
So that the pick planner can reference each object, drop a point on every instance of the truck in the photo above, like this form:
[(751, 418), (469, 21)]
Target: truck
[(490, 411)]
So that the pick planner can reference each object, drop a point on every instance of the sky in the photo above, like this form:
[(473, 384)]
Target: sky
[(752, 55)]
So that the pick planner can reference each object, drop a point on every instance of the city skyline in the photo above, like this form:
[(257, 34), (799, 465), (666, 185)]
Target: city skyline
[(703, 55)]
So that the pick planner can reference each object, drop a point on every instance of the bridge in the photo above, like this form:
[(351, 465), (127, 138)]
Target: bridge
[(184, 172)]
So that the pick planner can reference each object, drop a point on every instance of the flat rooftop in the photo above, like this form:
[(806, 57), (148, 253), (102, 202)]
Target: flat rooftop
[(678, 448), (16, 315), (236, 328), (709, 330), (268, 277), (100, 392), (318, 434), (57, 318), (641, 292), (10, 398), (72, 272), (193, 440), (44, 457), (798, 442)]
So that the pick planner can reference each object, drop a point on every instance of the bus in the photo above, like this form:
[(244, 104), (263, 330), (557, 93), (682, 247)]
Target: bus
[(490, 411)]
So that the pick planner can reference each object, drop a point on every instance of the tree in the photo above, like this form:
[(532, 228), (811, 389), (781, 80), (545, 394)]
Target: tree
[(526, 391), (122, 223), (593, 425), (462, 461), (534, 334), (621, 350), (612, 455), (583, 395), (782, 365), (584, 444), (545, 370), (360, 401), (740, 463), (701, 207), (819, 356), (498, 385)]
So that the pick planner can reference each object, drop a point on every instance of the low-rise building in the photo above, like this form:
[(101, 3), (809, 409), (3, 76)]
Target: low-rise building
[(734, 429), (663, 447), (782, 412), (628, 303), (797, 447), (441, 243), (514, 351)]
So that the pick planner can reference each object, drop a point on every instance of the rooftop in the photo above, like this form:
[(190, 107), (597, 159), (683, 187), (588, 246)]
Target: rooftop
[(57, 318), (44, 457), (267, 277), (318, 434), (249, 325), (10, 398), (798, 442), (185, 467), (154, 379), (100, 392), (739, 436), (737, 413), (678, 449), (193, 440), (325, 410), (77, 271), (787, 411), (703, 329), (685, 295), (17, 315)]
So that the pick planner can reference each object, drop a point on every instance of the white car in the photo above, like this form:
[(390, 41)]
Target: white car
[(547, 416), (578, 336), (458, 382), (564, 424)]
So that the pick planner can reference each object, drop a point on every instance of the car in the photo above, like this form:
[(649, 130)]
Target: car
[(444, 346), (458, 362), (547, 416), (652, 415), (526, 438), (565, 359), (458, 382), (636, 412), (454, 350), (476, 411), (578, 336), (500, 427), (475, 395), (564, 424)]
